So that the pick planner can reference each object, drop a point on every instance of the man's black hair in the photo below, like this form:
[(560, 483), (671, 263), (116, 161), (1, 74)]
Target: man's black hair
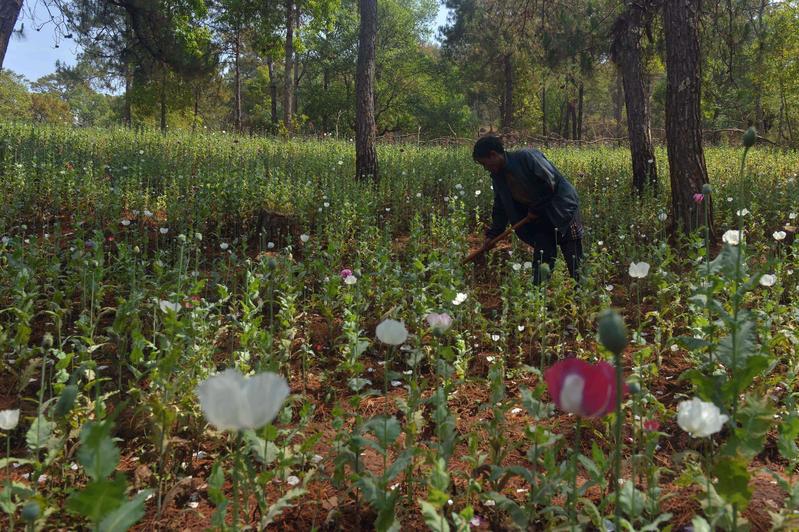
[(485, 145)]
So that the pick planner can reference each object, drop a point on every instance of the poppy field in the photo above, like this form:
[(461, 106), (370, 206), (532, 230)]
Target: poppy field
[(229, 332)]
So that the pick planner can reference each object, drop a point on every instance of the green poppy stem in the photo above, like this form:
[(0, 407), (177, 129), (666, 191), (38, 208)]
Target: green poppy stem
[(573, 491), (619, 443)]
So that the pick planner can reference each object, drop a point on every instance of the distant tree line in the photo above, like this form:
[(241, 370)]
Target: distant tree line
[(553, 68)]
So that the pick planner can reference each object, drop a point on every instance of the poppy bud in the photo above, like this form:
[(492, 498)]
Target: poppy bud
[(544, 271), (47, 341), (612, 331), (66, 400), (30, 511), (706, 189), (750, 137)]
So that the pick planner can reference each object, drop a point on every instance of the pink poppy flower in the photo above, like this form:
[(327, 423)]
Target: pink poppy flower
[(346, 272), (588, 390), (651, 425), (698, 198)]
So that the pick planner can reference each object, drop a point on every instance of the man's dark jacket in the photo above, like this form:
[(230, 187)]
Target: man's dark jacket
[(555, 198)]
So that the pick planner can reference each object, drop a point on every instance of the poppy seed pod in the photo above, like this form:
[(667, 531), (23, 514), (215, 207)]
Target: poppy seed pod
[(612, 331), (706, 189), (750, 137)]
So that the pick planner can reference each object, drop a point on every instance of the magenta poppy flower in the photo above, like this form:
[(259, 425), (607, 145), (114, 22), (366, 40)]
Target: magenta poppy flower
[(698, 198), (588, 390), (346, 272)]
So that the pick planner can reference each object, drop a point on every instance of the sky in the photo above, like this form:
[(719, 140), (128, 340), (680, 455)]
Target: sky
[(35, 54)]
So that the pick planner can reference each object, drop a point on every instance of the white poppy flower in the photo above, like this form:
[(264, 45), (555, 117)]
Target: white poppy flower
[(125, 223), (305, 238), (477, 192), (460, 298), (350, 279), (9, 419), (495, 337), (224, 246), (527, 265), (662, 216), (148, 214), (439, 323), (699, 418), (198, 236), (391, 332), (768, 280), (609, 287), (639, 270), (163, 230), (520, 328), (231, 401), (742, 212), (293, 480), (168, 306), (732, 237), (729, 199), (517, 266), (779, 235), (792, 216)]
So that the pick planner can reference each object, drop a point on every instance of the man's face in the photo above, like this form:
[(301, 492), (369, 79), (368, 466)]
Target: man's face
[(493, 162)]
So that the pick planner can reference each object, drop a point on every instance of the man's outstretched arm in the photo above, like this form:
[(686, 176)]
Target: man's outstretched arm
[(499, 220)]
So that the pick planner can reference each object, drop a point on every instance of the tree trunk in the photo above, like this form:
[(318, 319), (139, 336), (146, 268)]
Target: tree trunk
[(365, 126), (626, 53), (787, 115), (573, 114), (163, 99), (295, 101), (618, 103), (507, 98), (288, 81), (563, 123), (9, 13), (760, 120), (237, 77), (128, 111), (196, 115), (270, 65), (127, 116), (325, 87), (683, 119), (580, 97), (544, 111)]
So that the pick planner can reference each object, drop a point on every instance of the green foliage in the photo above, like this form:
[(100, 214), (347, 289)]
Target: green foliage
[(15, 102)]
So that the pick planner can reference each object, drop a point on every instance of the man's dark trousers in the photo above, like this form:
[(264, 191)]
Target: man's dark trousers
[(545, 239)]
